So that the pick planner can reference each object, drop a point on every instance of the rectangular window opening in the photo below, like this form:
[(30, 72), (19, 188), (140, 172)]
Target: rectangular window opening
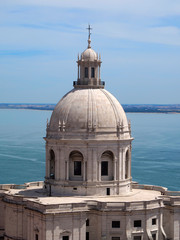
[(104, 168), (154, 236), (107, 191), (87, 222), (115, 238), (36, 237), (137, 223), (87, 235), (77, 168), (86, 72), (92, 72), (137, 238), (115, 224), (65, 238), (154, 221)]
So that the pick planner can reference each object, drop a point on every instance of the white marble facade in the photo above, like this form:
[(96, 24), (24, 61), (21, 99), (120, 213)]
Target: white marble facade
[(88, 193), (88, 129)]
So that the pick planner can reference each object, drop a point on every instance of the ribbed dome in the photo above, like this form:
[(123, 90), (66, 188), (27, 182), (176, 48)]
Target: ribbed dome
[(83, 110), (89, 55)]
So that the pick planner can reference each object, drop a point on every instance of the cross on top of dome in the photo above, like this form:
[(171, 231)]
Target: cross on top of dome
[(89, 38), (89, 29)]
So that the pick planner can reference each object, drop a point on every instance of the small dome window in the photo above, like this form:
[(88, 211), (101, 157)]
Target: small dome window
[(92, 72), (52, 164), (86, 72)]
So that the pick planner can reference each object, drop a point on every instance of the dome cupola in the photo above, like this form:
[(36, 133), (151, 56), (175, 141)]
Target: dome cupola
[(89, 68), (89, 54)]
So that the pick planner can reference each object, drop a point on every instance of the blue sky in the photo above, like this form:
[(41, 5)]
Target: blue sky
[(139, 42)]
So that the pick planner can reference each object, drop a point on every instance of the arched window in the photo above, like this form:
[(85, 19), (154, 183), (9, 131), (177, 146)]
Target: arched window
[(52, 164), (76, 166), (127, 165), (107, 166)]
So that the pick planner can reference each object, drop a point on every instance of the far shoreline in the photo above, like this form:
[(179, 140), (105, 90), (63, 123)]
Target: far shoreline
[(128, 108)]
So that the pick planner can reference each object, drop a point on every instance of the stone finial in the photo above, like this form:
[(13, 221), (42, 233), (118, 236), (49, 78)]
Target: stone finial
[(118, 126), (121, 126), (63, 126), (89, 126), (89, 43), (94, 127), (59, 126), (129, 126)]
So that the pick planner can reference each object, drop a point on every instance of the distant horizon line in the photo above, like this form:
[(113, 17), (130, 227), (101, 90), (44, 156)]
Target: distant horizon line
[(161, 104)]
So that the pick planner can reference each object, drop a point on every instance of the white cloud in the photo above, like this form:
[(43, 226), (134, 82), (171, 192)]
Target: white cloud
[(135, 20), (163, 35), (139, 8)]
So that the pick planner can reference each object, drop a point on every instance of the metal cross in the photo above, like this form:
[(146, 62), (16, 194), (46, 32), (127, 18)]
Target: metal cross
[(89, 29)]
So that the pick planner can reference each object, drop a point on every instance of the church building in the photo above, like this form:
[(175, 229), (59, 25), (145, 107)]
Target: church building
[(88, 192)]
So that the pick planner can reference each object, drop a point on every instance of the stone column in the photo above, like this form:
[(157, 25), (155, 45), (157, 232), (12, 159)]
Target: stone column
[(57, 164), (115, 169), (99, 74), (123, 164), (84, 170), (47, 161), (67, 169), (78, 71), (89, 165), (61, 165), (96, 72), (129, 162), (31, 226), (89, 72), (28, 231), (120, 164), (99, 170), (128, 227), (94, 166), (43, 224)]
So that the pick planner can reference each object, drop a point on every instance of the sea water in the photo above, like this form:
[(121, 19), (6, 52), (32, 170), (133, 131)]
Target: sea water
[(155, 148)]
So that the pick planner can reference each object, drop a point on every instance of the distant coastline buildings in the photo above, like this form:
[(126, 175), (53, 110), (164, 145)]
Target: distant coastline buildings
[(88, 191)]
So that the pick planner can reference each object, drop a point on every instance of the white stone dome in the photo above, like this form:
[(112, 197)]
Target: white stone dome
[(89, 55), (88, 110)]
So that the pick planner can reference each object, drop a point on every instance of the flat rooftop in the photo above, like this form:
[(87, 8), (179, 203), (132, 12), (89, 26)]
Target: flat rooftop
[(37, 194)]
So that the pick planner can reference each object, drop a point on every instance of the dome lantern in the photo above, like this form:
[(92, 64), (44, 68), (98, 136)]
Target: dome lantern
[(89, 68)]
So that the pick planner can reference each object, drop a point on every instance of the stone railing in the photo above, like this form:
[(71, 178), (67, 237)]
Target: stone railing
[(124, 206), (21, 186), (163, 190)]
